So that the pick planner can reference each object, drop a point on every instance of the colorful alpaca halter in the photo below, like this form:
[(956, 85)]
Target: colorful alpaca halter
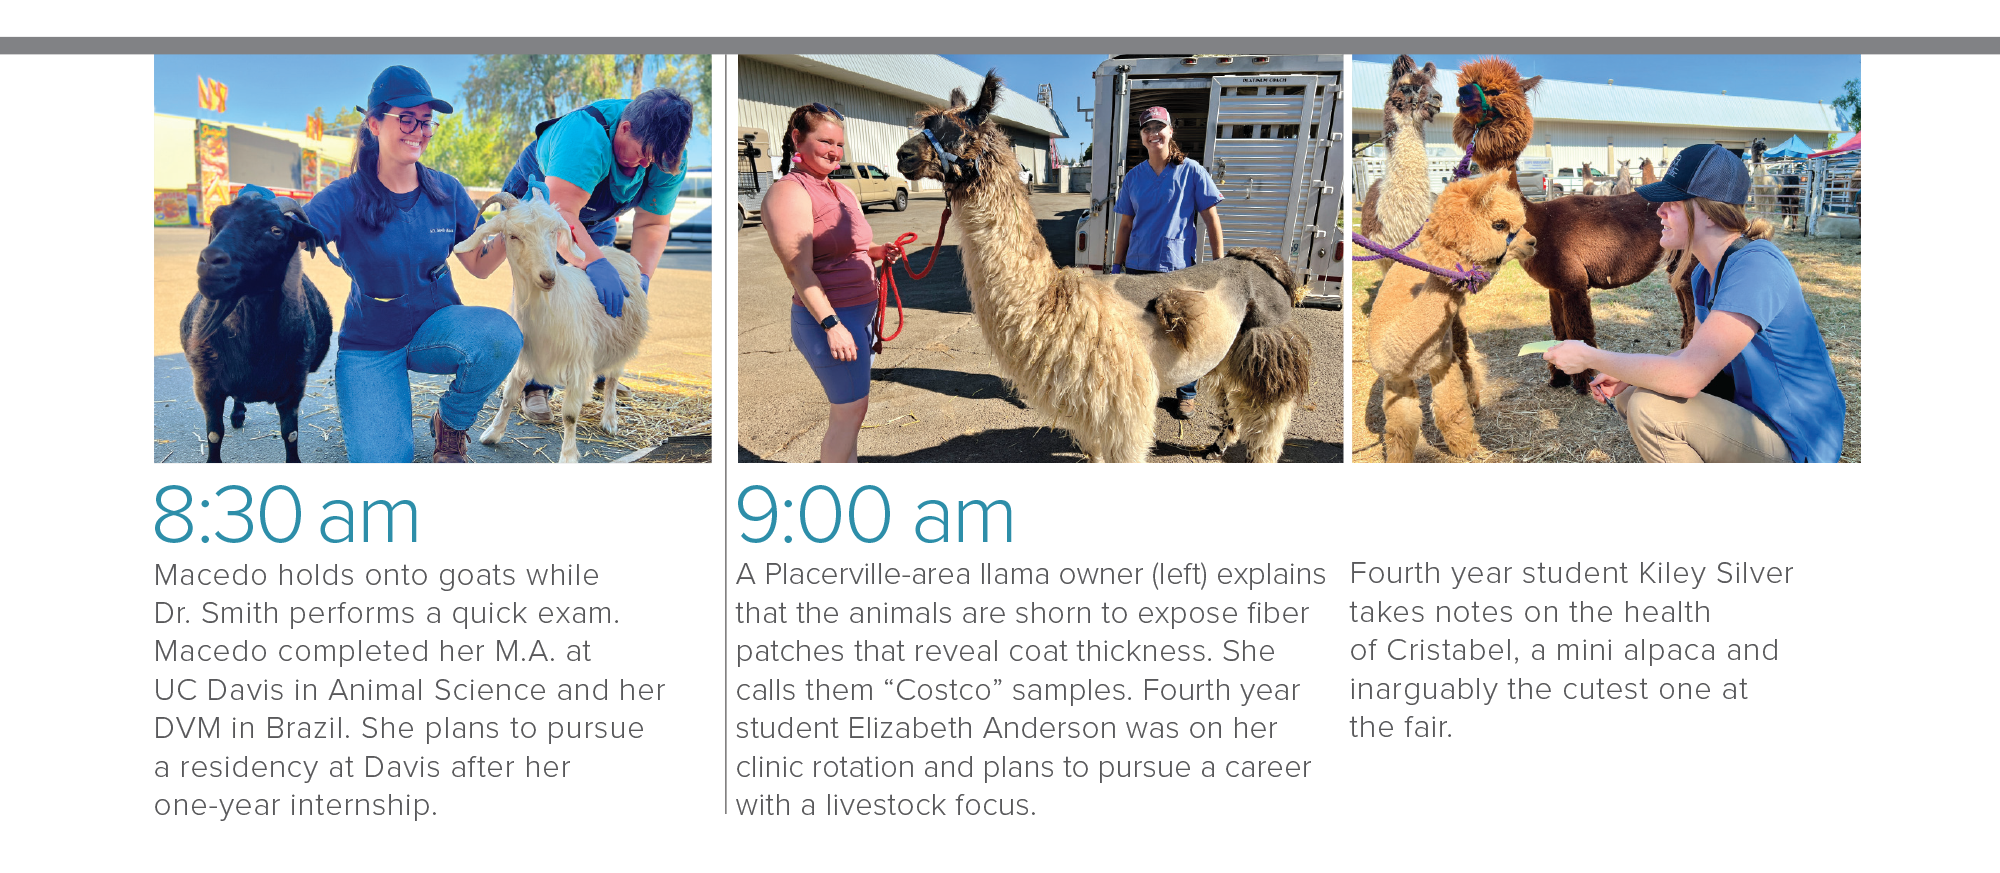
[(887, 283), (1470, 279), (1486, 112)]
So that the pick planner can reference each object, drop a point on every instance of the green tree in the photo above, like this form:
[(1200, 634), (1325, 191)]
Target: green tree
[(473, 148), (347, 117), (688, 74), (521, 90), (1849, 104)]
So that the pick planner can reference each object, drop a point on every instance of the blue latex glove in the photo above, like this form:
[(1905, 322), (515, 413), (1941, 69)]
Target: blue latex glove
[(645, 283), (1114, 269), (610, 288)]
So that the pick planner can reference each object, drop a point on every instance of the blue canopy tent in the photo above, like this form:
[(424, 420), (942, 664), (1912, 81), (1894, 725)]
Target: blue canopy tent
[(1791, 148)]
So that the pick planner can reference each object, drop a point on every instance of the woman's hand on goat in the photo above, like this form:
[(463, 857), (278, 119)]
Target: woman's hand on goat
[(840, 343), (1570, 356), (610, 286)]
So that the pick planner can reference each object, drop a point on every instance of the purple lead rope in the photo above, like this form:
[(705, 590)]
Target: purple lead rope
[(1469, 279), (1465, 163)]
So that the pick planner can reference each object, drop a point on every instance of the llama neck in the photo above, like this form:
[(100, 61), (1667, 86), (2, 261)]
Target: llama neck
[(1006, 261), (1408, 158)]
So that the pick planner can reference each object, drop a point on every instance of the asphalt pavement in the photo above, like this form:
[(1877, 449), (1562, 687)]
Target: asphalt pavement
[(676, 353), (937, 395)]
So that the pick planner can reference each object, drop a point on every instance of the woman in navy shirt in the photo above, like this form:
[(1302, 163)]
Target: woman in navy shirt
[(1779, 400), (394, 222), (1157, 206)]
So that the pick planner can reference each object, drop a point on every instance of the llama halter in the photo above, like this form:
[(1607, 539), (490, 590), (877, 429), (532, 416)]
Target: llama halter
[(950, 160), (1470, 279), (1465, 164)]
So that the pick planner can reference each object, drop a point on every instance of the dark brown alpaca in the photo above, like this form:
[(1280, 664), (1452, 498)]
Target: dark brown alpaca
[(1581, 242)]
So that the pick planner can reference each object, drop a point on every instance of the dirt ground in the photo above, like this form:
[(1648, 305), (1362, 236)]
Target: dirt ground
[(937, 394), (1522, 419), (671, 378)]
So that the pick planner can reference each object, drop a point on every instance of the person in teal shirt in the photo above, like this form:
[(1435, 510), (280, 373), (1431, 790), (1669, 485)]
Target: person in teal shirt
[(597, 163)]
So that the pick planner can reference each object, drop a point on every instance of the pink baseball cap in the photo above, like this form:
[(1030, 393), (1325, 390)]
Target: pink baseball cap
[(1157, 113)]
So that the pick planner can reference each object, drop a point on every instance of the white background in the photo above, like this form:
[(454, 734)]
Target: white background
[(1867, 746)]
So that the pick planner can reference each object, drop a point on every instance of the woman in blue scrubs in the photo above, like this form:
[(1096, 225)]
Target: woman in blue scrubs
[(394, 223), (1157, 206)]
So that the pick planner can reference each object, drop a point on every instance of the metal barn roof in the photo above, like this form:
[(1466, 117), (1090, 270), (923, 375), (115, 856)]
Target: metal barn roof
[(925, 79), (1555, 99)]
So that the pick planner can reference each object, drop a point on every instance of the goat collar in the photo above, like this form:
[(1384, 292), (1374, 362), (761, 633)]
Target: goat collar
[(951, 161)]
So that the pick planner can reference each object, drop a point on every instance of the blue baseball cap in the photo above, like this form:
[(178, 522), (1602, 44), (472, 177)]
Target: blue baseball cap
[(401, 87), (1705, 170)]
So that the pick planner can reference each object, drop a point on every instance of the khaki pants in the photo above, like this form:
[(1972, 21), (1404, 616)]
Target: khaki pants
[(1699, 429)]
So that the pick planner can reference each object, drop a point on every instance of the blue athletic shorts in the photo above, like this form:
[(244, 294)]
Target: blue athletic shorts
[(844, 381)]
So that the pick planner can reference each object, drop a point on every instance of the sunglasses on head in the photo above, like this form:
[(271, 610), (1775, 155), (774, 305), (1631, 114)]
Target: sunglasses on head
[(828, 110)]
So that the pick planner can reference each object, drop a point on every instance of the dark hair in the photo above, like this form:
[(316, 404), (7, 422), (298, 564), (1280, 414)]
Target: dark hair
[(661, 121), (805, 120), (374, 203)]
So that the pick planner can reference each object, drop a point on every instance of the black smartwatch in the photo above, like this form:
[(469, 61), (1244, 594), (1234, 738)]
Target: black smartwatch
[(829, 322)]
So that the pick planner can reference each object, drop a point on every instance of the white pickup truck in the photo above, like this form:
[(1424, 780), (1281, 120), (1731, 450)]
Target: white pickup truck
[(1269, 129)]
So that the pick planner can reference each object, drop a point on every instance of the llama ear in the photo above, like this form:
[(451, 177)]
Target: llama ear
[(957, 98), (1404, 65), (989, 96), (1529, 84), (1430, 69)]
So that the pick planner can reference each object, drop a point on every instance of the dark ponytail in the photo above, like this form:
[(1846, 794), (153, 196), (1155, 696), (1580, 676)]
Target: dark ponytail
[(374, 203), (804, 120)]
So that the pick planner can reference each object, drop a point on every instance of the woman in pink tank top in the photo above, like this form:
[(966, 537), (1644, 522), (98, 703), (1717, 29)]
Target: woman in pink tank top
[(823, 241)]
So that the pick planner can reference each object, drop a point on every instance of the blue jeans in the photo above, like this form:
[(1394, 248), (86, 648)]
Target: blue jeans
[(477, 344), (601, 233)]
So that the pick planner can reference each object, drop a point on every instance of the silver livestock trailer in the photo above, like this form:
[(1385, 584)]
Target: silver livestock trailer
[(1270, 130)]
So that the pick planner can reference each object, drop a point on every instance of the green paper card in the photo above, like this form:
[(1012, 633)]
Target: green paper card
[(1538, 348)]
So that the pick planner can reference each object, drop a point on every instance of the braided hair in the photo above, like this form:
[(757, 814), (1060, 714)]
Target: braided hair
[(804, 120)]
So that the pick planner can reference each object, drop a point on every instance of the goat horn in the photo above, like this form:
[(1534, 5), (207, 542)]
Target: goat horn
[(506, 201)]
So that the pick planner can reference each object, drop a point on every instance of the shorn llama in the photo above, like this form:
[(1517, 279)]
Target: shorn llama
[(1093, 351), (1398, 203), (1416, 329)]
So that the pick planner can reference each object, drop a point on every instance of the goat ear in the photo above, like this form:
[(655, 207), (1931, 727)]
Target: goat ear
[(479, 234), (989, 96), (306, 234), (218, 218), (1529, 84), (566, 243)]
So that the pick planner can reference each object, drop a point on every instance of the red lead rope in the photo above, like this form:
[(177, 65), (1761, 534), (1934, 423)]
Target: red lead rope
[(887, 283)]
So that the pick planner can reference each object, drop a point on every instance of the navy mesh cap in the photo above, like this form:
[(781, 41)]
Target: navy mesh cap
[(1705, 170)]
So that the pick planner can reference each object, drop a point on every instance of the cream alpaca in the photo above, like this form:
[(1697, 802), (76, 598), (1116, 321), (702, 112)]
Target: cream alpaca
[(1398, 203)]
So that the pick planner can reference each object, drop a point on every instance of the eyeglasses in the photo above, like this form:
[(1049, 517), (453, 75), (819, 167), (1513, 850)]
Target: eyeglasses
[(410, 123), (828, 110)]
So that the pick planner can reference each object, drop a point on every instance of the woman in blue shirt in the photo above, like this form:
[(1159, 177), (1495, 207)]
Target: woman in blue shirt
[(1780, 400), (394, 222), (1157, 206)]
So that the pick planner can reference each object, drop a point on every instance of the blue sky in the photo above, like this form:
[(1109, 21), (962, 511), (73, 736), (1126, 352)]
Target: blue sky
[(1069, 74), (270, 90), (1806, 78)]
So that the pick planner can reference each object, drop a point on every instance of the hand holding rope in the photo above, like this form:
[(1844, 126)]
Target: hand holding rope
[(885, 285)]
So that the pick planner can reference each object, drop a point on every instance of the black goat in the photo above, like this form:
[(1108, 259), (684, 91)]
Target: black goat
[(258, 326)]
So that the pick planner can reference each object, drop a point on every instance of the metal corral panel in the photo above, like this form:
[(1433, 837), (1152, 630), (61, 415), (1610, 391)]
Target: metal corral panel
[(1570, 144), (920, 79), (1556, 99)]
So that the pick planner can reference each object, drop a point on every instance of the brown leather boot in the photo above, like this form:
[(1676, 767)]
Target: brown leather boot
[(451, 444)]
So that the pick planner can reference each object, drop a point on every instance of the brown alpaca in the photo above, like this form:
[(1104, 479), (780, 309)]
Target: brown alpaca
[(1502, 122), (1646, 174), (1416, 330), (1581, 242), (1589, 181), (1398, 203), (1093, 351)]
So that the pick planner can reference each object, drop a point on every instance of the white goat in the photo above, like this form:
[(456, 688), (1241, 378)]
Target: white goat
[(566, 337)]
